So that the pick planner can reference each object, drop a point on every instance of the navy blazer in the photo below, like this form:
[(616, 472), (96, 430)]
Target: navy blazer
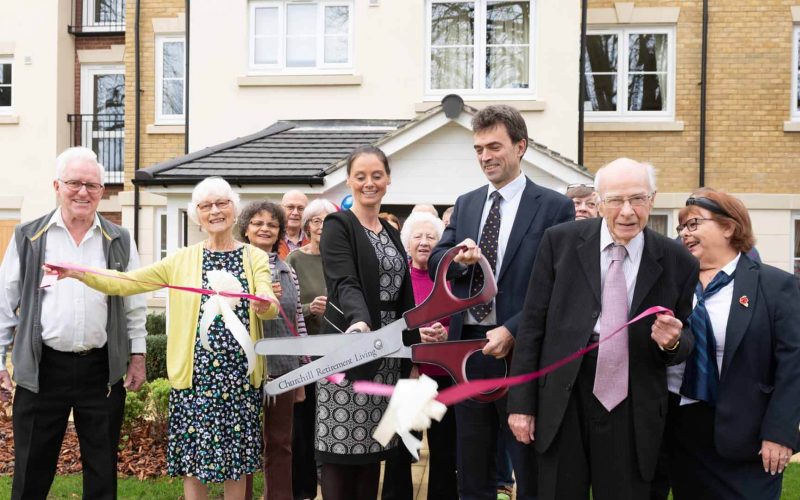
[(759, 389), (539, 209)]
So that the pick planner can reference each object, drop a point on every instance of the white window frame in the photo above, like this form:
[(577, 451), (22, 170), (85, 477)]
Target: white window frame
[(795, 113), (9, 60), (479, 90), (89, 24), (622, 114), (280, 66), (668, 214), (794, 259), (161, 118), (88, 71)]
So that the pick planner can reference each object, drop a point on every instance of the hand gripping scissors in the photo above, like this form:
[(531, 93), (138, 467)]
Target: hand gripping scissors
[(340, 352)]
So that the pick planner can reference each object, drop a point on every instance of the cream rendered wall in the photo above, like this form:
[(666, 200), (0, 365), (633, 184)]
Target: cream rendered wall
[(390, 57), (43, 89)]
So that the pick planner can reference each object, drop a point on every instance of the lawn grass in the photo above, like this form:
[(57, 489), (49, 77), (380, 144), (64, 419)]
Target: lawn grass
[(167, 488), (164, 488)]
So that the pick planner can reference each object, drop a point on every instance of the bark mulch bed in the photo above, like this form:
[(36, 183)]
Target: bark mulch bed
[(140, 455)]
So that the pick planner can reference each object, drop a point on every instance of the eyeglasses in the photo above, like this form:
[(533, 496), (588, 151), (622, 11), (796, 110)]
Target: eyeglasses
[(75, 186), (690, 225), (292, 208), (638, 200), (258, 224), (316, 222), (221, 204)]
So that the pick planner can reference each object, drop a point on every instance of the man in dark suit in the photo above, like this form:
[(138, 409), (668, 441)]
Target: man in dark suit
[(598, 422), (508, 217)]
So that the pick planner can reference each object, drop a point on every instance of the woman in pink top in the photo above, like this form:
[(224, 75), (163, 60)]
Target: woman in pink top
[(420, 234)]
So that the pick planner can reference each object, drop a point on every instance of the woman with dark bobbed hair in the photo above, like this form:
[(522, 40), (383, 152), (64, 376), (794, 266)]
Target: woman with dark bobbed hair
[(735, 403), (263, 225)]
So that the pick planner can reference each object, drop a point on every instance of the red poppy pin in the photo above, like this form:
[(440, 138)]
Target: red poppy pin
[(743, 300)]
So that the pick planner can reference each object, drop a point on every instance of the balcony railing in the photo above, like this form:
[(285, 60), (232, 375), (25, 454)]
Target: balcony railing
[(105, 135), (97, 17)]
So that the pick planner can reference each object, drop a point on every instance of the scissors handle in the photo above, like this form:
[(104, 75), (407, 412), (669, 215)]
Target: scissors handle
[(441, 302), (452, 357)]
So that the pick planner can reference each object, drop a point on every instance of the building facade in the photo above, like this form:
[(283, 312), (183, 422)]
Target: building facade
[(643, 100)]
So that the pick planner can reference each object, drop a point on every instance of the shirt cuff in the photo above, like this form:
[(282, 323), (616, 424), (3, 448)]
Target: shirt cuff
[(138, 345)]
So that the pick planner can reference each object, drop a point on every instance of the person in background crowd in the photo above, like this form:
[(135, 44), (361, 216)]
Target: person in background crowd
[(369, 286), (420, 234), (585, 199), (507, 217), (262, 224), (446, 215), (307, 262), (598, 422), (732, 424), (425, 207), (391, 219), (72, 345), (294, 202), (214, 430)]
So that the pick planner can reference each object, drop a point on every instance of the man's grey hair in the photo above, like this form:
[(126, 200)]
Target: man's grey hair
[(651, 175), (78, 153), (215, 187), (315, 209), (418, 218)]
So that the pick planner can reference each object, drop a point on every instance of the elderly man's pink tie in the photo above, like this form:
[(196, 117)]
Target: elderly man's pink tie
[(611, 375)]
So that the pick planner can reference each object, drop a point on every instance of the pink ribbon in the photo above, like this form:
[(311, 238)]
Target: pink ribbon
[(460, 392)]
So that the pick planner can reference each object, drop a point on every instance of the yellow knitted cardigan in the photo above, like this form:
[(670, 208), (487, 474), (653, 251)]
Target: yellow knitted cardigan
[(184, 268)]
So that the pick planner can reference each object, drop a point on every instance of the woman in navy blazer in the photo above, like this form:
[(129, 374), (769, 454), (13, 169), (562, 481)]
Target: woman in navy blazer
[(735, 404)]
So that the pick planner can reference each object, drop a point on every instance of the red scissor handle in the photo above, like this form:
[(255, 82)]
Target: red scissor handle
[(441, 302), (452, 357)]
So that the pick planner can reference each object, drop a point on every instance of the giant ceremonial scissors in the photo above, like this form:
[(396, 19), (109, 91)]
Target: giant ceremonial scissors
[(341, 352)]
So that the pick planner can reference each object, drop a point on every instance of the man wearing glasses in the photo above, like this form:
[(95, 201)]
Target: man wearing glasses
[(72, 345), (294, 203), (598, 422), (585, 200)]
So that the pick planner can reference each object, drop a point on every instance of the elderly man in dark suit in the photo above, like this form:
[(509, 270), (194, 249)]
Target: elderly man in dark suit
[(507, 217), (598, 421)]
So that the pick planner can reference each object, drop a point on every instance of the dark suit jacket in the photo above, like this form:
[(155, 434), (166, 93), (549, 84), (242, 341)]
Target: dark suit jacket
[(561, 309), (351, 277), (759, 390), (539, 209)]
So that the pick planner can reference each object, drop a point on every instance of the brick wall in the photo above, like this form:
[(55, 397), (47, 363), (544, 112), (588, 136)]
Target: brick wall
[(154, 148), (748, 95)]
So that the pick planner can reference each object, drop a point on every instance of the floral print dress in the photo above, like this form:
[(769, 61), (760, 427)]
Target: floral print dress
[(214, 427)]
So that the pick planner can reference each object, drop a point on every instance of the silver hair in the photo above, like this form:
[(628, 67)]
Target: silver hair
[(425, 207), (78, 153), (651, 175), (416, 218), (315, 208), (208, 187)]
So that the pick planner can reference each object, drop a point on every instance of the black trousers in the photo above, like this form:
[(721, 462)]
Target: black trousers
[(67, 382), (477, 428), (304, 467), (698, 472), (593, 449)]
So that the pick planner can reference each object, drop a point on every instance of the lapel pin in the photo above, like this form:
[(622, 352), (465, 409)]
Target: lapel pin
[(743, 300)]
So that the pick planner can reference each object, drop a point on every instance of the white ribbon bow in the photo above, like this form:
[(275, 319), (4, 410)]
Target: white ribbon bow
[(411, 407), (223, 281)]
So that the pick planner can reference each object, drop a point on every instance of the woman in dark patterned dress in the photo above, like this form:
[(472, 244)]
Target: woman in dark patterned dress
[(369, 285), (214, 432)]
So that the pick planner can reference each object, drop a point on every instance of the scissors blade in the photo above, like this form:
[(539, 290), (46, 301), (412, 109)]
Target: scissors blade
[(312, 345), (361, 349)]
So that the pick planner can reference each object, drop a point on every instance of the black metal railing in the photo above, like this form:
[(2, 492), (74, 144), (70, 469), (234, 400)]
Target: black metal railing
[(97, 17), (105, 135)]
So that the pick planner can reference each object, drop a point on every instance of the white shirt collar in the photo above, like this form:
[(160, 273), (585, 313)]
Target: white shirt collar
[(730, 267), (58, 220), (510, 190), (634, 247)]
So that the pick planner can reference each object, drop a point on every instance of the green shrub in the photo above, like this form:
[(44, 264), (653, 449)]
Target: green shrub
[(156, 324), (136, 404), (156, 359), (159, 408)]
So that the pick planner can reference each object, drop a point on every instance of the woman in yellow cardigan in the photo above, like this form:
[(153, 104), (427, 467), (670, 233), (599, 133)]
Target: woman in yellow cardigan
[(214, 432)]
